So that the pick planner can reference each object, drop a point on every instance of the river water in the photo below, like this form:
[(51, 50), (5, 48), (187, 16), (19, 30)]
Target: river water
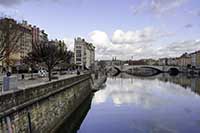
[(127, 104)]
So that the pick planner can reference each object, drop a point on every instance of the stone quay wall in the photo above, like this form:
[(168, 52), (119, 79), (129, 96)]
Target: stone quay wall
[(41, 108)]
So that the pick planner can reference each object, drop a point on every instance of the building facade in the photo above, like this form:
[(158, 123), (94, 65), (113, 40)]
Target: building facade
[(43, 37), (84, 53), (25, 41), (28, 35), (195, 57), (185, 60)]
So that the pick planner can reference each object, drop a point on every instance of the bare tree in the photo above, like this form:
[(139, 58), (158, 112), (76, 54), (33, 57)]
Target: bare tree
[(10, 34), (48, 55)]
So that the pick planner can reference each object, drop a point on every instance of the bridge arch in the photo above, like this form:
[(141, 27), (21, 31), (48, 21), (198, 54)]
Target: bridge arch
[(173, 71)]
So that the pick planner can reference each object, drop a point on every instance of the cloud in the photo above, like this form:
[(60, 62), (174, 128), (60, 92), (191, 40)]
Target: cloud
[(138, 44), (177, 48), (157, 6), (148, 34), (122, 44), (188, 26), (69, 43), (195, 12), (10, 2)]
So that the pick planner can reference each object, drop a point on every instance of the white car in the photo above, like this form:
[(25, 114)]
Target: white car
[(42, 73)]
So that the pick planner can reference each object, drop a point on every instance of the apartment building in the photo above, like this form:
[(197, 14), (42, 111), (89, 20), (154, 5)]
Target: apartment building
[(28, 35), (195, 57), (84, 53)]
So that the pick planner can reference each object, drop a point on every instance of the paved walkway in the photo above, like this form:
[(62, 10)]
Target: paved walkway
[(27, 82)]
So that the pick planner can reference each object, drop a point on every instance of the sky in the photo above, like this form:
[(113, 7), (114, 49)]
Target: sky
[(126, 29)]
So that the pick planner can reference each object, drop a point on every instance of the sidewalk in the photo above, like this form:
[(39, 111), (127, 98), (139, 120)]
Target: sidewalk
[(27, 82)]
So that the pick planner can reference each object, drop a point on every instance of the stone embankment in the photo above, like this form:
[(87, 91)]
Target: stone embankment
[(39, 109), (98, 81)]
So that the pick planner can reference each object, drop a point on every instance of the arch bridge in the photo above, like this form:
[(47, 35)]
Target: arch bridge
[(125, 68)]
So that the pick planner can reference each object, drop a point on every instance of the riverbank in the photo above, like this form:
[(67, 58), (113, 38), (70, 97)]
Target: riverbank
[(98, 82), (40, 108)]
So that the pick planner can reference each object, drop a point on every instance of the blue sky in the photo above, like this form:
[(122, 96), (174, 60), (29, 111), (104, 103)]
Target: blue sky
[(122, 28)]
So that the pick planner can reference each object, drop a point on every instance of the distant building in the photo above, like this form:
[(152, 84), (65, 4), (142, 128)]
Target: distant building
[(136, 62), (59, 43), (84, 53), (163, 61), (150, 61), (185, 60), (172, 61), (195, 57)]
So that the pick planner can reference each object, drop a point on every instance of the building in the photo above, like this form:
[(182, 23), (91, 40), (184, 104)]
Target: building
[(185, 60), (28, 35), (26, 40), (84, 53), (21, 37), (172, 61), (150, 61), (136, 62), (43, 37), (195, 57), (163, 61), (90, 55), (59, 43), (35, 34)]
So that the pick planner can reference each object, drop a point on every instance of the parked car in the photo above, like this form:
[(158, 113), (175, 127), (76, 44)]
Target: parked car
[(42, 73)]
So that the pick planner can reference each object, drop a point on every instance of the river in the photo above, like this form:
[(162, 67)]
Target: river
[(128, 104)]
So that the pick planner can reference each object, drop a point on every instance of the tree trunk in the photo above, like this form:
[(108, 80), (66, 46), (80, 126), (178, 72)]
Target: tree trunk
[(31, 72), (7, 61), (49, 73)]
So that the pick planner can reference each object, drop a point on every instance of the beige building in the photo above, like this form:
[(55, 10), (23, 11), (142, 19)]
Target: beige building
[(26, 40), (84, 53), (195, 59), (185, 60), (23, 41)]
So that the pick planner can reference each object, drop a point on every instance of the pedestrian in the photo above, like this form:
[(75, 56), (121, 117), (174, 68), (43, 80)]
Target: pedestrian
[(8, 74), (22, 76), (78, 72)]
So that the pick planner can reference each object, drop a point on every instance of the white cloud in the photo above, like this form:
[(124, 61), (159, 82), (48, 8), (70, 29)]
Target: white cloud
[(69, 43), (177, 48), (137, 44), (157, 6), (124, 45), (146, 35), (100, 38)]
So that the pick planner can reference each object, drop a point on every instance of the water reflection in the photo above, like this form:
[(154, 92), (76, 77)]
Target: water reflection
[(183, 80), (73, 123), (127, 104), (146, 92), (156, 104)]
